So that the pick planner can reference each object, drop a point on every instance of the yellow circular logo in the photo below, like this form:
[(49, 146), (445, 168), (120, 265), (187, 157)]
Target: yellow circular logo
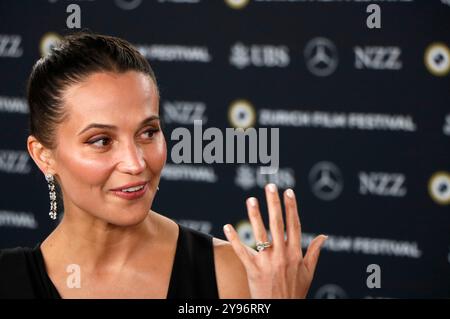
[(237, 4), (437, 59), (48, 41), (241, 114), (245, 232), (439, 188)]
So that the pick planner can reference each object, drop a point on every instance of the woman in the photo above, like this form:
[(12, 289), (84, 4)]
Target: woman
[(95, 134)]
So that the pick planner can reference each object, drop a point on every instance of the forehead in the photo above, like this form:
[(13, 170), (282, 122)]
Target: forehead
[(112, 96)]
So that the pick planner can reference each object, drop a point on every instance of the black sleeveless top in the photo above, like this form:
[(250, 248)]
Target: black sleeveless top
[(23, 274)]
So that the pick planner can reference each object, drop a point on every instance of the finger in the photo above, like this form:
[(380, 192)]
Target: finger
[(293, 226), (313, 252), (259, 230), (238, 247), (275, 218)]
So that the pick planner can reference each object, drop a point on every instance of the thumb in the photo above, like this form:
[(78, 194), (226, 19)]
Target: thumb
[(313, 253)]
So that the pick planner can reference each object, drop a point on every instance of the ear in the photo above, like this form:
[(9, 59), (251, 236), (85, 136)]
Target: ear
[(42, 156)]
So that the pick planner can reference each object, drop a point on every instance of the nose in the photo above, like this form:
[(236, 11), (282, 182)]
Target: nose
[(132, 159)]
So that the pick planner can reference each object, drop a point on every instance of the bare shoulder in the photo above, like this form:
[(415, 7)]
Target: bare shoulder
[(230, 272)]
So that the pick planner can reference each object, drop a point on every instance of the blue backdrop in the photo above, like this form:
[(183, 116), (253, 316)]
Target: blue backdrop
[(363, 114)]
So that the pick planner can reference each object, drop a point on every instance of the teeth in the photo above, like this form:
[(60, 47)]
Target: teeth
[(133, 189)]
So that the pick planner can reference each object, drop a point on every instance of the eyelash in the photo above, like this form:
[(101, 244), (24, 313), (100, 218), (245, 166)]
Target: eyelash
[(152, 131)]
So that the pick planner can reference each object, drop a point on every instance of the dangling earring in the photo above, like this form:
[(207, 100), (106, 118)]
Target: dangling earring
[(157, 188), (51, 187)]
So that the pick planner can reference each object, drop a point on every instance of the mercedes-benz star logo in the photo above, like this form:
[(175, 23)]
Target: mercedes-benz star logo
[(330, 291), (326, 181), (321, 56), (128, 4)]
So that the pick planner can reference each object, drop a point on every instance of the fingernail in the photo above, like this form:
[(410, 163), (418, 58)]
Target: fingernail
[(227, 229), (272, 188), (252, 201), (290, 193)]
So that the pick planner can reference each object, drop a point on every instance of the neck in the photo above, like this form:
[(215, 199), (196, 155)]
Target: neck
[(96, 244)]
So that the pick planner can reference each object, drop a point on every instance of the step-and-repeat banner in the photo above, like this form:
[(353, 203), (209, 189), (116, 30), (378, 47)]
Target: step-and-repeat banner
[(360, 93)]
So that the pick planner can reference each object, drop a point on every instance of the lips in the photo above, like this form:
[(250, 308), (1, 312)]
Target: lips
[(129, 185), (132, 195)]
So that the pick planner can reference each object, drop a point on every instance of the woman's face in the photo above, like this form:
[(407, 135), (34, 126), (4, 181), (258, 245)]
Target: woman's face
[(92, 161)]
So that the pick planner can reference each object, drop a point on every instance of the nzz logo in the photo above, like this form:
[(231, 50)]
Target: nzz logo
[(378, 58), (10, 46), (382, 184), (182, 112)]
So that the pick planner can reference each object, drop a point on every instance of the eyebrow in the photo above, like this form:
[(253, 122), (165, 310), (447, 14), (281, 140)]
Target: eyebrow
[(113, 127)]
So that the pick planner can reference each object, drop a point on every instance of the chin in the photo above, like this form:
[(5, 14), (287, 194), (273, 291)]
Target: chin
[(122, 213), (127, 220)]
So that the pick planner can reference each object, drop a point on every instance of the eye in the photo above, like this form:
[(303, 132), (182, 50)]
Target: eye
[(151, 132), (100, 142)]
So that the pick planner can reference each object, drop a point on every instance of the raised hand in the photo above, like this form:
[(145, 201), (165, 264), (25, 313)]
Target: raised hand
[(279, 270)]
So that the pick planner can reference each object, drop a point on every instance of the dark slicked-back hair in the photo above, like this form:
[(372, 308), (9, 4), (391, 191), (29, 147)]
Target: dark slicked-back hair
[(73, 59)]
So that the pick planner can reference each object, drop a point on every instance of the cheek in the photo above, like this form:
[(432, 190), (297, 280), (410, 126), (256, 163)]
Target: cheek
[(157, 156), (81, 170)]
